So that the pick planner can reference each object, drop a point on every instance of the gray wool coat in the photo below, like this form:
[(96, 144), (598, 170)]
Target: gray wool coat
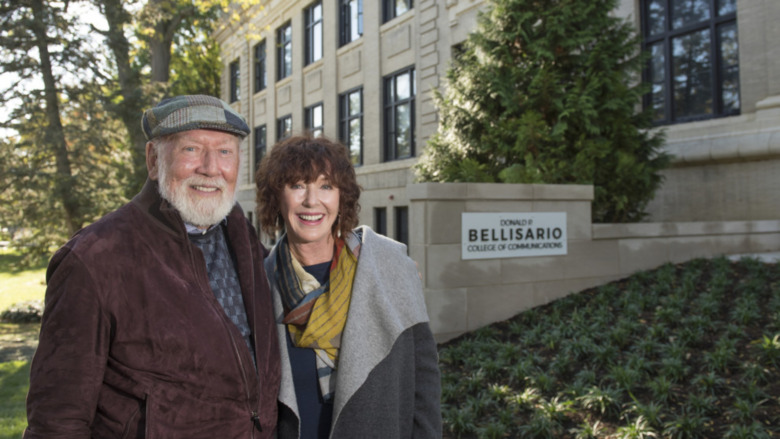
[(388, 381)]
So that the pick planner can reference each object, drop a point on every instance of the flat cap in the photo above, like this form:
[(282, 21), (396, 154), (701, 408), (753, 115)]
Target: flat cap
[(192, 112)]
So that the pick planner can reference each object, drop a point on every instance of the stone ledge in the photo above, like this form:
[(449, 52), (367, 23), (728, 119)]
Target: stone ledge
[(403, 164), (742, 137), (498, 191), (703, 228)]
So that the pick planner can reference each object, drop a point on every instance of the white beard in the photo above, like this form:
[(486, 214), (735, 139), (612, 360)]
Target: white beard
[(196, 211)]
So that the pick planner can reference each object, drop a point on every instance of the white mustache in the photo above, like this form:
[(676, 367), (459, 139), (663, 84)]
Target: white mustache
[(195, 180)]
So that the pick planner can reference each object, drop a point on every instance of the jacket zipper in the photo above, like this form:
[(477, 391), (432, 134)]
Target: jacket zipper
[(253, 414)]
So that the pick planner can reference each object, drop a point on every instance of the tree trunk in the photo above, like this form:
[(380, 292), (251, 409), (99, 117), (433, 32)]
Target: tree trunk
[(160, 51), (161, 42), (55, 135), (134, 99)]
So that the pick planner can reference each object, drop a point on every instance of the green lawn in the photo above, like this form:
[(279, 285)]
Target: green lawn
[(19, 285), (16, 285), (14, 380)]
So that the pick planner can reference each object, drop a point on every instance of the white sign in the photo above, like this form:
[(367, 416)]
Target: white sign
[(513, 234)]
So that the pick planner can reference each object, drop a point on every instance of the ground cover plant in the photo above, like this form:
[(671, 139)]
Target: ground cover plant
[(684, 351)]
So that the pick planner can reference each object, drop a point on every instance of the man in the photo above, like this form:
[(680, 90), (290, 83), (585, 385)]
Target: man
[(158, 317)]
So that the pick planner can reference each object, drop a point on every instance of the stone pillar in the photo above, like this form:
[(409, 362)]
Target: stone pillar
[(463, 295), (759, 53)]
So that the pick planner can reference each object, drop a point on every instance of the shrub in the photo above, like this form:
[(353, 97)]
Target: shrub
[(546, 91), (29, 311)]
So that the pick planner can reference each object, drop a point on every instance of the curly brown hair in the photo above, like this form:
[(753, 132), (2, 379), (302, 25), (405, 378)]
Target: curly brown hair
[(305, 158)]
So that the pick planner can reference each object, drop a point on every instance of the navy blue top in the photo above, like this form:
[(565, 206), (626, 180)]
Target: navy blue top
[(316, 415)]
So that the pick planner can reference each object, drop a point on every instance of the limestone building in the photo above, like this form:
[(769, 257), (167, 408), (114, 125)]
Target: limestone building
[(362, 71)]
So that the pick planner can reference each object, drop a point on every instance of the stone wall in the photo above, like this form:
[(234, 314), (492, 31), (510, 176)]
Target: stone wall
[(463, 295)]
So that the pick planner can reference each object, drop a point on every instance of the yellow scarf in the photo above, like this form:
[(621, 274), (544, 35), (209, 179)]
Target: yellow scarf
[(316, 314), (327, 315)]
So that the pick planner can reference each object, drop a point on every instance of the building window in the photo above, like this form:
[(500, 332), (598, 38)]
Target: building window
[(399, 91), (350, 21), (260, 144), (394, 8), (313, 19), (283, 127), (380, 220), (235, 81), (260, 74), (694, 59), (314, 120), (351, 123), (402, 224), (457, 50), (284, 51)]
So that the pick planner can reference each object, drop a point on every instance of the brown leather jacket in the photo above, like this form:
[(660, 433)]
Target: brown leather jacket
[(134, 343)]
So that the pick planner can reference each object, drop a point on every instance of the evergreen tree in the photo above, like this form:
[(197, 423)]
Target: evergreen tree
[(36, 44), (547, 91), (58, 172), (29, 181)]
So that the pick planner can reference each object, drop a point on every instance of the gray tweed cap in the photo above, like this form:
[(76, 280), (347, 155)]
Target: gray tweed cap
[(192, 112)]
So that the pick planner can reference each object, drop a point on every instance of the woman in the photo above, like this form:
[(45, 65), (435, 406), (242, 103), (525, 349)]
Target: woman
[(358, 356)]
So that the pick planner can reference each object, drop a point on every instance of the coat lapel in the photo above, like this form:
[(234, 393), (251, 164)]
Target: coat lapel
[(386, 301), (287, 388)]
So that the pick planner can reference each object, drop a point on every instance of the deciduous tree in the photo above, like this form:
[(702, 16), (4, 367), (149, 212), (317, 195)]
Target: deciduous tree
[(73, 93), (167, 48)]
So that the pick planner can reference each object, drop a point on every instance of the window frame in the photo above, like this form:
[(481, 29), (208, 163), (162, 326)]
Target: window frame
[(345, 120), (346, 23), (664, 39), (315, 130), (380, 220), (401, 226), (390, 127), (261, 73), (311, 28), (390, 9), (283, 48), (235, 81), (261, 143), (280, 128)]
